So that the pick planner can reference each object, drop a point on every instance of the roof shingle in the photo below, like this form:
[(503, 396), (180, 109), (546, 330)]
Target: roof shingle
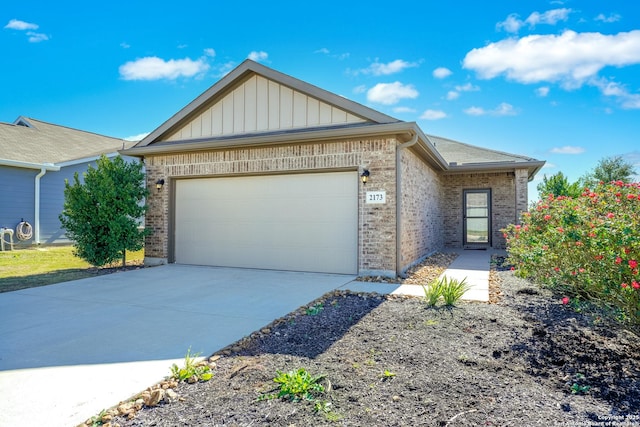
[(42, 142)]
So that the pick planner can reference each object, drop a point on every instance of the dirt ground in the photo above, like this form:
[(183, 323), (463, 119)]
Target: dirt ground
[(526, 359)]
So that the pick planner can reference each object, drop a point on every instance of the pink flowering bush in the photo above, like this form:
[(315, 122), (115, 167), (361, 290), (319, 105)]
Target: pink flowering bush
[(587, 247)]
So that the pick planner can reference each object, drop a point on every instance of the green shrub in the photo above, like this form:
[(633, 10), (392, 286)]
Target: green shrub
[(103, 210), (586, 247)]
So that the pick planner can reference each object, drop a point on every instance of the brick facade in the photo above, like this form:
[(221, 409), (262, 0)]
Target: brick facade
[(421, 216), (508, 200), (376, 222), (431, 209)]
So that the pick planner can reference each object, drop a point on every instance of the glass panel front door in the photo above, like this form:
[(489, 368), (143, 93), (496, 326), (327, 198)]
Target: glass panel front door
[(477, 217)]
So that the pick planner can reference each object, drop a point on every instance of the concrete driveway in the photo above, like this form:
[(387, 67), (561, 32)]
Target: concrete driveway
[(69, 350)]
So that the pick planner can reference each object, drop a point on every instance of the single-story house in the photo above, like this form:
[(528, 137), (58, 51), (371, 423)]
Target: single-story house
[(266, 171), (35, 159)]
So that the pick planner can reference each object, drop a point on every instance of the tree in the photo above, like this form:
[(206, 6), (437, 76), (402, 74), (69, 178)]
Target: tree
[(558, 185), (102, 214), (610, 169)]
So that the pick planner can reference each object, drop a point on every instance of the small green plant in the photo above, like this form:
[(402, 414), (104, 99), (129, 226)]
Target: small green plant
[(193, 370), (322, 406), (295, 386), (315, 309), (578, 387), (96, 420), (387, 375), (453, 290), (432, 292), (449, 288)]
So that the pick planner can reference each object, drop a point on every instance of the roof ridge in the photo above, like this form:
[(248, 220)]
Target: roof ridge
[(482, 148), (72, 129)]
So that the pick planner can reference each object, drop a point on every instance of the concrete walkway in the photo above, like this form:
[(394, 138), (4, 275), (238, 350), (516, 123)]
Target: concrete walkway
[(472, 265)]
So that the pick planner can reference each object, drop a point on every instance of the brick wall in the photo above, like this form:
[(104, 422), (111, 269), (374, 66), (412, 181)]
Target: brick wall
[(508, 199), (422, 221), (376, 222)]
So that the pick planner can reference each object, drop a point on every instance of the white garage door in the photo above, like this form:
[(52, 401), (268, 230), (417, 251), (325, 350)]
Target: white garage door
[(299, 222)]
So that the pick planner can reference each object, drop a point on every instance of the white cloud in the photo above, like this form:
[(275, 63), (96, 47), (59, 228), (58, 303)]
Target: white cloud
[(258, 56), (404, 110), (467, 87), (629, 101), (504, 109), (32, 36), (551, 17), (570, 58), (381, 69), (36, 37), (433, 115), (513, 23), (138, 137), (542, 91), (614, 17), (452, 94), (210, 52), (549, 165), (16, 24), (322, 50), (125, 45), (391, 93), (441, 73), (154, 68), (475, 111), (455, 94), (225, 68), (360, 89), (567, 149)]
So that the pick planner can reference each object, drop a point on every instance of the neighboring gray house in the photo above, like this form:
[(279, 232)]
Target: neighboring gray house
[(35, 159), (267, 171)]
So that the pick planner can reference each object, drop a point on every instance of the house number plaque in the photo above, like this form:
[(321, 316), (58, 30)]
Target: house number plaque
[(376, 197)]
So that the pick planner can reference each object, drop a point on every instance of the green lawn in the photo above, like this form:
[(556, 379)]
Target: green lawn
[(40, 266)]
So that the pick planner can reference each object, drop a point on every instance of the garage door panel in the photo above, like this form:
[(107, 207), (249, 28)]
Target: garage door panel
[(303, 222)]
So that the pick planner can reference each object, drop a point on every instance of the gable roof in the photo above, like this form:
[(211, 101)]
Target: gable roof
[(251, 90), (34, 142), (225, 116)]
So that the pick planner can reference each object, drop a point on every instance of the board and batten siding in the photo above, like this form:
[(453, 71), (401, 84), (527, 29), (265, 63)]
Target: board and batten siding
[(261, 105)]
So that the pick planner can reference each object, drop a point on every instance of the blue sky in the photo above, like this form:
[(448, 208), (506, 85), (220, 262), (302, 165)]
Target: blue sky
[(554, 80)]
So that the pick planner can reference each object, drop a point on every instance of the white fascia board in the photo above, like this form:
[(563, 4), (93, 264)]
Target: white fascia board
[(85, 160), (29, 165)]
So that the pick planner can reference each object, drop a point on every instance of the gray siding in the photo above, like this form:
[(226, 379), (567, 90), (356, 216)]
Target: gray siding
[(52, 202), (16, 199)]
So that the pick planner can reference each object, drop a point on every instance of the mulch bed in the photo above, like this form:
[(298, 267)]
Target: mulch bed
[(526, 359)]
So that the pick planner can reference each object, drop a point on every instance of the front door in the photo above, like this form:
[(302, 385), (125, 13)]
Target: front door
[(477, 218)]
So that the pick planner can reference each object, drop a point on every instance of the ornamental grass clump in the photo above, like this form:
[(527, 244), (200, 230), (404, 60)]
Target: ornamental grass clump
[(586, 247), (447, 288)]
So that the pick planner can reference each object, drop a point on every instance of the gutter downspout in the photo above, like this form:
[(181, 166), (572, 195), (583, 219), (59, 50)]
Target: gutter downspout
[(36, 220), (399, 148)]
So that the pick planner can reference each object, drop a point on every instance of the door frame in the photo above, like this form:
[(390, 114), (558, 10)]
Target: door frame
[(465, 243)]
